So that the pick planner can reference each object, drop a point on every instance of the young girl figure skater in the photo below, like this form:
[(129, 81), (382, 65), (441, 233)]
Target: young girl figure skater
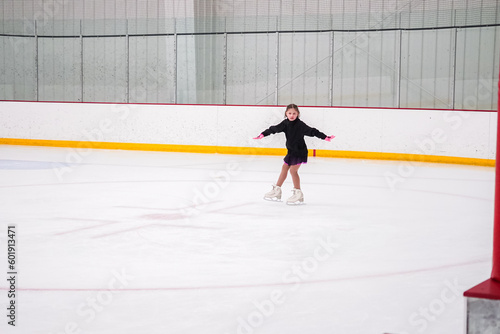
[(294, 130)]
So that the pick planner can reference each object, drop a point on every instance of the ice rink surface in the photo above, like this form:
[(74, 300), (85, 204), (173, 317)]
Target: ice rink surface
[(152, 242)]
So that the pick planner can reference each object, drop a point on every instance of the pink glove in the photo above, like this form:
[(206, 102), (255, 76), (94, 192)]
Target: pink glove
[(329, 138), (259, 136)]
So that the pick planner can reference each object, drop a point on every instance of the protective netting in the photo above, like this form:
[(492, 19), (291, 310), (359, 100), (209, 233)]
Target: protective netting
[(377, 53), (119, 17)]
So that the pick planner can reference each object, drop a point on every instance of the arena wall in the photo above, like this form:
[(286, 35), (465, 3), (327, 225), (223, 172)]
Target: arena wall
[(448, 136)]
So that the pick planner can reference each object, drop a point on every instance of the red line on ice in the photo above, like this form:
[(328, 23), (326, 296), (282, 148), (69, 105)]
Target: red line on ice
[(219, 287)]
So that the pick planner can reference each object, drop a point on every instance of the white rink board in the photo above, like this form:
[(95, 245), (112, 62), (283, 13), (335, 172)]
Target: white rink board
[(470, 134)]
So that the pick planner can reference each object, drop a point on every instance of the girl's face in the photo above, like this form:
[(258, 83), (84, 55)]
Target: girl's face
[(292, 114)]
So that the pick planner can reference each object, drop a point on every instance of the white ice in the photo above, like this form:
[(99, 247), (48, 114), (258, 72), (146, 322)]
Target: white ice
[(152, 242)]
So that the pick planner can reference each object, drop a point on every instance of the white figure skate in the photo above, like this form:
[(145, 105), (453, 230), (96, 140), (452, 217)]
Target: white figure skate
[(273, 195), (297, 197)]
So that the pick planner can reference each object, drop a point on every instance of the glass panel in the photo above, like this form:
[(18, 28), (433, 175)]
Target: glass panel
[(427, 69), (304, 68), (152, 71), (186, 70), (59, 69), (105, 69), (365, 69), (251, 69), (200, 71), (477, 68), (17, 68)]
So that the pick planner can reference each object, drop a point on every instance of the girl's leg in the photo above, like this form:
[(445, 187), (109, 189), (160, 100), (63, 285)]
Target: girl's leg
[(283, 174), (294, 171)]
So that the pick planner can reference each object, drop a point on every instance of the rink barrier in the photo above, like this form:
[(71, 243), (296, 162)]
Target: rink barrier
[(248, 151)]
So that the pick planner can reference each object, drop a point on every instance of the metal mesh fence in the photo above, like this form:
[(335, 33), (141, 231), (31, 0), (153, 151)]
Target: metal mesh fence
[(109, 17), (379, 53)]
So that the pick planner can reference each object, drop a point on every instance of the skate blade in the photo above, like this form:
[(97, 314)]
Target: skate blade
[(272, 199), (296, 203)]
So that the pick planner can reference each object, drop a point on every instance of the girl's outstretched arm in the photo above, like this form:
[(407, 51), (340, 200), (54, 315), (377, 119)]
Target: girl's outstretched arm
[(313, 132), (274, 129)]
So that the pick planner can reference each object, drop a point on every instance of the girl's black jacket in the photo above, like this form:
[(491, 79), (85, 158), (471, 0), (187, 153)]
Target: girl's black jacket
[(294, 133)]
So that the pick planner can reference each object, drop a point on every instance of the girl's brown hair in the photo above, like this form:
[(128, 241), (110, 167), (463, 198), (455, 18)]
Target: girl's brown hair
[(293, 106)]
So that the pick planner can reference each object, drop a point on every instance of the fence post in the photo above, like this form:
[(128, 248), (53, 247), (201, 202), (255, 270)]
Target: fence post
[(36, 63), (276, 87), (175, 60), (81, 60), (224, 60), (128, 61)]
